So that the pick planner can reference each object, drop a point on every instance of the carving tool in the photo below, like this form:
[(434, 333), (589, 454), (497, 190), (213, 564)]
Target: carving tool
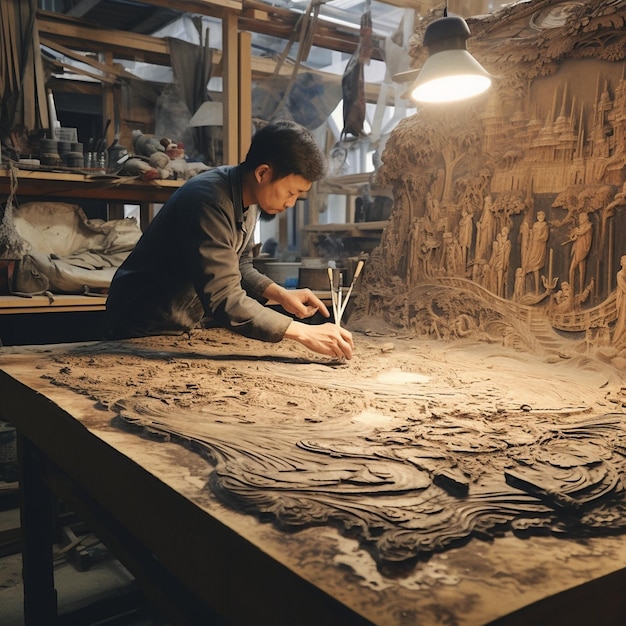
[(357, 271), (333, 295), (339, 297)]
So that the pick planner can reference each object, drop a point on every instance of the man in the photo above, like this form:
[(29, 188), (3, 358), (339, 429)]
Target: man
[(194, 260)]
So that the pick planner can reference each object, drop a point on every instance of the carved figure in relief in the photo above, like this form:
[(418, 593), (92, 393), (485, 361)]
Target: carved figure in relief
[(426, 253), (501, 260), (581, 237), (490, 280), (524, 242), (537, 246), (455, 265), (434, 210), (466, 234), (518, 287), (392, 243), (619, 334), (485, 229), (619, 199), (478, 270), (563, 299), (506, 257)]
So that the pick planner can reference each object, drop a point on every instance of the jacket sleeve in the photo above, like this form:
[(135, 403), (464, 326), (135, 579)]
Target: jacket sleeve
[(254, 282), (210, 238)]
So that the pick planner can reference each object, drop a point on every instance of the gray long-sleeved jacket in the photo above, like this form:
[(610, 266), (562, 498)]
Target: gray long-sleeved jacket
[(194, 261)]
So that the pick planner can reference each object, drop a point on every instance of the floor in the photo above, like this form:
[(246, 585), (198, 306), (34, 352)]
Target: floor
[(93, 587)]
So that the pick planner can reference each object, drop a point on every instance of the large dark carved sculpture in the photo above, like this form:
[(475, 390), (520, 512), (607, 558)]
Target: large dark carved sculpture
[(512, 206)]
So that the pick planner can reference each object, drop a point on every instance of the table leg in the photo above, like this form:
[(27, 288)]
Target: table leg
[(37, 519)]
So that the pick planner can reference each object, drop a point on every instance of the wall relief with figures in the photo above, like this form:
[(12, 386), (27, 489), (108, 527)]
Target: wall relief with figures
[(510, 209)]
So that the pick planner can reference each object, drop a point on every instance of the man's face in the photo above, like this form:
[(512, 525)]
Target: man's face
[(277, 195)]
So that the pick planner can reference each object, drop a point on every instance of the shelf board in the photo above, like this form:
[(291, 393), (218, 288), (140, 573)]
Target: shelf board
[(61, 303), (354, 229), (84, 185), (347, 184)]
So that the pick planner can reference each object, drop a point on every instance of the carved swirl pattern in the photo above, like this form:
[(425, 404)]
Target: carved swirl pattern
[(409, 465), (411, 490)]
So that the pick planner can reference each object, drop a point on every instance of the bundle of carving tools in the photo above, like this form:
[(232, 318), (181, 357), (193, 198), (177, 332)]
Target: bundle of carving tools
[(336, 292)]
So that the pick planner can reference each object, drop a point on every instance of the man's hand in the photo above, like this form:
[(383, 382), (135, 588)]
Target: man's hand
[(302, 303), (328, 339)]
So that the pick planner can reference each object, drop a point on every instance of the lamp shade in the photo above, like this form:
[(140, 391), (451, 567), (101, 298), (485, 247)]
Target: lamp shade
[(450, 73), (209, 113)]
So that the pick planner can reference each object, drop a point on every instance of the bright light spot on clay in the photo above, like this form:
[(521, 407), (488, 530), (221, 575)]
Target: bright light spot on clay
[(373, 418), (401, 378)]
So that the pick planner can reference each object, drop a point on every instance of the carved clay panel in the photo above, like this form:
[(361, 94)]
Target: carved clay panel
[(413, 448), (509, 209)]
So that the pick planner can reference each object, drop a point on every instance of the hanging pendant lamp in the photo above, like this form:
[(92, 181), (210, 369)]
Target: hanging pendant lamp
[(450, 73)]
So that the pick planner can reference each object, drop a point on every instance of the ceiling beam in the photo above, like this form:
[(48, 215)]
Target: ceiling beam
[(201, 7), (256, 16), (266, 19), (84, 37), (273, 21)]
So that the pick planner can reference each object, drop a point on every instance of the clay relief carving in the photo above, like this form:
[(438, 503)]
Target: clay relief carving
[(404, 467), (402, 508), (519, 197)]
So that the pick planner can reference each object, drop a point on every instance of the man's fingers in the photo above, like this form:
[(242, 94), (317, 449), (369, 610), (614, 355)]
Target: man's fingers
[(346, 349), (306, 311), (323, 309)]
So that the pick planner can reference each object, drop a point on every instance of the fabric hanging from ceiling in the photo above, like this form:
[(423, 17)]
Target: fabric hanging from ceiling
[(192, 66), (303, 96), (353, 80), (310, 100)]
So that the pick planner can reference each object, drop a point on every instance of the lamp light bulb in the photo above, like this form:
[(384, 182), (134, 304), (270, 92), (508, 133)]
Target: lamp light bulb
[(450, 73)]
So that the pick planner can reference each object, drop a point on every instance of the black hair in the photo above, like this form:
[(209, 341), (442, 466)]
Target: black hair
[(288, 148)]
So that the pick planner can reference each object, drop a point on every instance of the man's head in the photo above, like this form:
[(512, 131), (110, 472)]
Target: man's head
[(287, 148), (284, 160)]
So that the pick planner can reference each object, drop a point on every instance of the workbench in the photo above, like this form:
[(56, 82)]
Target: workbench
[(201, 561), (59, 303)]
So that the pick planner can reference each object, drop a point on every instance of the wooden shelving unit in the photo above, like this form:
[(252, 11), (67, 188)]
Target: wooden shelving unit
[(63, 184), (51, 185), (350, 186), (86, 185)]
